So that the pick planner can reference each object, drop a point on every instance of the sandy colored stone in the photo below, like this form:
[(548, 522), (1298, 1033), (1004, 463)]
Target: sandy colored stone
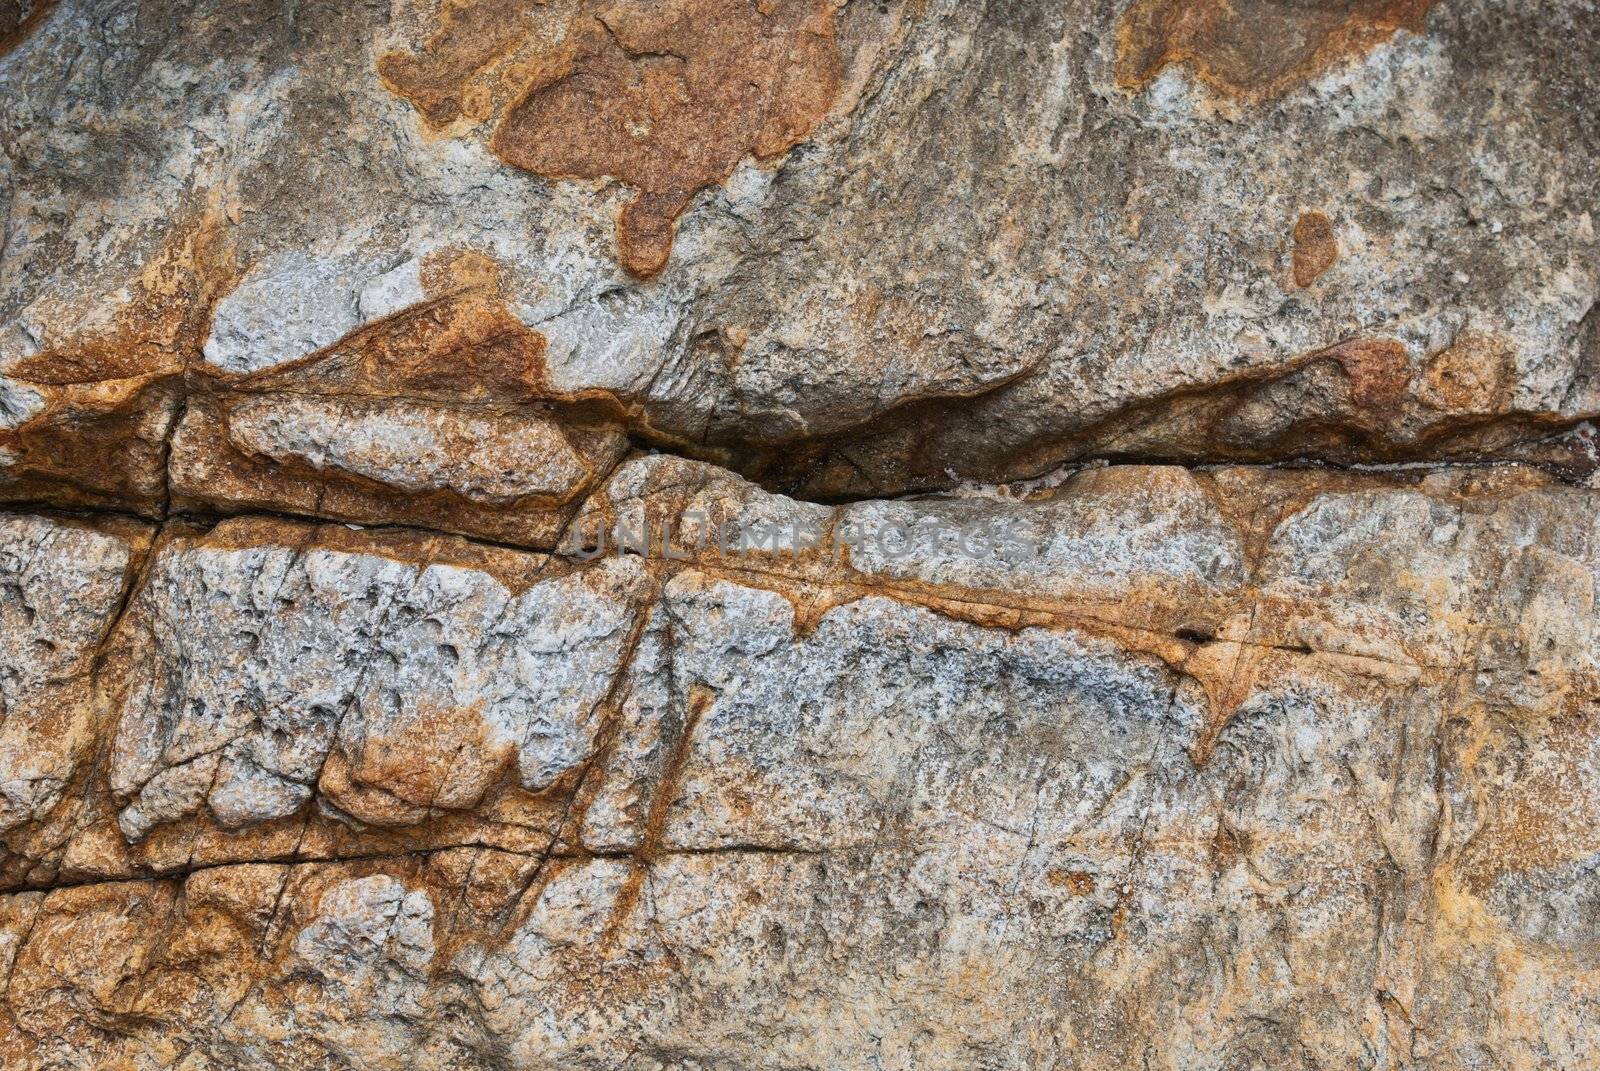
[(799, 535), (885, 273), (1316, 249), (1235, 747), (1255, 49), (63, 584)]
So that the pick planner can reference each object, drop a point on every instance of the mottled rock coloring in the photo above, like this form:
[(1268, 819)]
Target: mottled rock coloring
[(799, 534)]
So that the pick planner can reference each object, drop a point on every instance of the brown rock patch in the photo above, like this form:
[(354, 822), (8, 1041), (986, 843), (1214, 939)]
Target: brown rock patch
[(472, 35), (1378, 369), (665, 97), (439, 758), (668, 98), (1545, 818), (108, 396), (1475, 374), (18, 19), (1315, 248), (1254, 48)]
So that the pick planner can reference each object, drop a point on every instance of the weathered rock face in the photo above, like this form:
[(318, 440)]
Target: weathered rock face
[(1198, 784), (799, 534), (1010, 236)]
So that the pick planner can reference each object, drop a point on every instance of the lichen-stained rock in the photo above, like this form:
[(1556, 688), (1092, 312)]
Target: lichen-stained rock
[(890, 247), (270, 665), (90, 383), (958, 851), (1303, 763), (63, 583), (437, 415), (1255, 49), (512, 476), (278, 691), (772, 584)]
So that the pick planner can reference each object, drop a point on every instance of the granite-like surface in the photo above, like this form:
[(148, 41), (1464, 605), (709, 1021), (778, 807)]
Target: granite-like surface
[(1194, 785), (850, 249), (799, 534)]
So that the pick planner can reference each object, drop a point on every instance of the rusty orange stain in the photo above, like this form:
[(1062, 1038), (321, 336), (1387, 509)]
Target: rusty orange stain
[(1315, 247), (664, 97), (1254, 49)]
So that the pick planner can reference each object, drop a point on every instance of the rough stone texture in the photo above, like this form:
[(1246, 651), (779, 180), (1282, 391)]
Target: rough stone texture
[(62, 585), (380, 381), (1199, 785), (910, 243), (1255, 49)]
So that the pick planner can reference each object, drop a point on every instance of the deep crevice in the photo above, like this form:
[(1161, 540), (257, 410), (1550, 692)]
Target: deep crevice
[(293, 861), (796, 469)]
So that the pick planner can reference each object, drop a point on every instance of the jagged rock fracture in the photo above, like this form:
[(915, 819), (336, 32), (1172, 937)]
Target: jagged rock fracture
[(332, 336)]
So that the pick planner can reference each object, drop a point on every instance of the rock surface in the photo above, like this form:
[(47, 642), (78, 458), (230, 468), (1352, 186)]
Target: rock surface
[(1193, 784), (849, 249), (799, 534)]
